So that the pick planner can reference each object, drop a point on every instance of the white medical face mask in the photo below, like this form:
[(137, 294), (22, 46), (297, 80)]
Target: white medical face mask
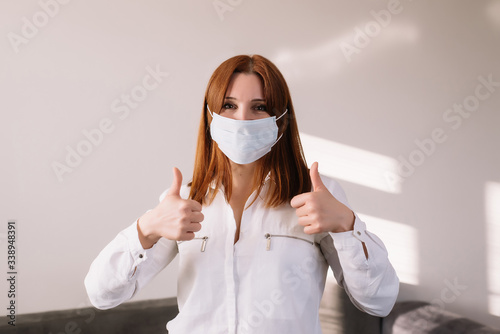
[(244, 141)]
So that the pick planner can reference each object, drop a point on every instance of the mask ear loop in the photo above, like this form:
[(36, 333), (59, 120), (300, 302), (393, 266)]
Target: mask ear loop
[(281, 114), (281, 133), (210, 111)]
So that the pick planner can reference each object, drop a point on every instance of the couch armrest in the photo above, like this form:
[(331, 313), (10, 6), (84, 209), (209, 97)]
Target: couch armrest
[(414, 317)]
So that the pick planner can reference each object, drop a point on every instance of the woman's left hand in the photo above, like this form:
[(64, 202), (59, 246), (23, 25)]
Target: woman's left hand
[(319, 211)]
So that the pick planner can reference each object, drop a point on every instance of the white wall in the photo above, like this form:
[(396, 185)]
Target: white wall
[(364, 108)]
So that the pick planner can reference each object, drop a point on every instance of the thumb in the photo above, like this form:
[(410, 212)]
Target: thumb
[(175, 189), (317, 184)]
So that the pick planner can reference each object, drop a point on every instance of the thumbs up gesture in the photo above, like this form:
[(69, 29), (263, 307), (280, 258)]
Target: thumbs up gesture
[(173, 218), (319, 211)]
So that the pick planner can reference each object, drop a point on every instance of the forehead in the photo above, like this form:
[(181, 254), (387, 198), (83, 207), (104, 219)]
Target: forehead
[(245, 86)]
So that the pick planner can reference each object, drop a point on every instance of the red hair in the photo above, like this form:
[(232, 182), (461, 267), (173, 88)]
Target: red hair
[(286, 164)]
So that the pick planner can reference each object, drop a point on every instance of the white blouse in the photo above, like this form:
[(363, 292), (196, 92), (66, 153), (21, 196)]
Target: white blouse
[(270, 281)]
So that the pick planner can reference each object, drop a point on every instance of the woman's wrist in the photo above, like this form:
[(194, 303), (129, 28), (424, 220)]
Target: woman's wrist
[(348, 223), (146, 237), (351, 220)]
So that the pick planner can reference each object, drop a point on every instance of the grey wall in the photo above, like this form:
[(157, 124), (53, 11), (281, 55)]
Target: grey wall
[(369, 95)]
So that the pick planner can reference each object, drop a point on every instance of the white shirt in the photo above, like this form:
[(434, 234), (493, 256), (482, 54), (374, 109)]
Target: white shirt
[(270, 281)]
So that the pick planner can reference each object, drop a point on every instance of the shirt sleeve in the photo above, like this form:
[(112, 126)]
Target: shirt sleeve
[(123, 267), (370, 281)]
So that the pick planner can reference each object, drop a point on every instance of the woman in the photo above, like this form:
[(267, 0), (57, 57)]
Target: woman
[(255, 230)]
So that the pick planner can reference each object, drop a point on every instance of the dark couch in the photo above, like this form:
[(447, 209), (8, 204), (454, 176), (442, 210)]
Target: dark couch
[(337, 315)]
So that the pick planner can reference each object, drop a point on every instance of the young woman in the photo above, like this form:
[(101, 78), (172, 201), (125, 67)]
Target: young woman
[(255, 230)]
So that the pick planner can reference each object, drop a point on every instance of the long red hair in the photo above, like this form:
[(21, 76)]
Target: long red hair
[(286, 164)]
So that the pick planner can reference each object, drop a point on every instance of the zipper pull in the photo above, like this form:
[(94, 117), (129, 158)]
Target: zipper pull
[(204, 244), (268, 237)]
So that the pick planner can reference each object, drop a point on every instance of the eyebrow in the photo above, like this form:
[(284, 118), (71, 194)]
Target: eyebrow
[(254, 100)]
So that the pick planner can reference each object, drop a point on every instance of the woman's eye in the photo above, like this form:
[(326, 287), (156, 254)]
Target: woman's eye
[(227, 106), (261, 108)]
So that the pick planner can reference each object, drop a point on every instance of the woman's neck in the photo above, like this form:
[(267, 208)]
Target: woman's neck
[(242, 179)]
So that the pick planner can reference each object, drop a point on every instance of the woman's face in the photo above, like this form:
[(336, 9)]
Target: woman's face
[(244, 98)]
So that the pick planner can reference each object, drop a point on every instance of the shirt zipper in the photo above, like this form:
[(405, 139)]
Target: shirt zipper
[(268, 236), (203, 244)]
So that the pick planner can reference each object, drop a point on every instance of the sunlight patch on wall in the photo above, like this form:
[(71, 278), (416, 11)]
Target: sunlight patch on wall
[(493, 12), (401, 242), (492, 206), (351, 164), (304, 63), (324, 59)]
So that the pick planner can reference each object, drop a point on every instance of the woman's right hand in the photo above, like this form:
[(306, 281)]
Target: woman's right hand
[(173, 218)]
